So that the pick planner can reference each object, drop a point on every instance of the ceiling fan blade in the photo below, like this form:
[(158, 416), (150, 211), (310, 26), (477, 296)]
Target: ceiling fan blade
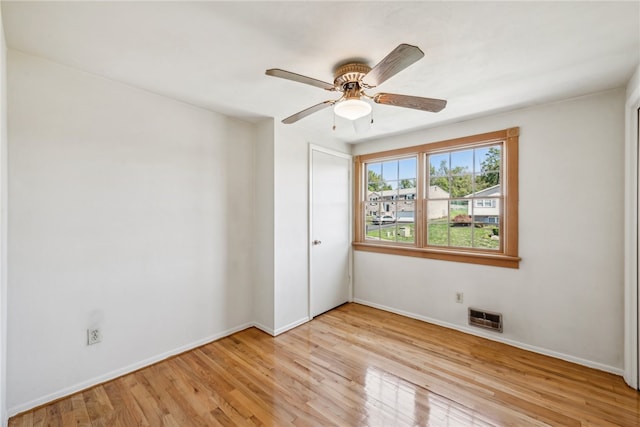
[(399, 59), (276, 72), (304, 113), (415, 102)]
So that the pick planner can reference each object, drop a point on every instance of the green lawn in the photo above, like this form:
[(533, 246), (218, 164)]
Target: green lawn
[(395, 233), (439, 234)]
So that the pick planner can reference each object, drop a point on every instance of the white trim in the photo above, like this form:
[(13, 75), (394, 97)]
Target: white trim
[(264, 329), (312, 148), (276, 332), (67, 391), (4, 203), (493, 337), (291, 326), (631, 260)]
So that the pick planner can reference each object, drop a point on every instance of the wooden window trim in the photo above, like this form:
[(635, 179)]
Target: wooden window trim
[(507, 258)]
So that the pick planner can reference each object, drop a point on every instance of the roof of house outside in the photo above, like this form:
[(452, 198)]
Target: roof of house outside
[(401, 191), (490, 191)]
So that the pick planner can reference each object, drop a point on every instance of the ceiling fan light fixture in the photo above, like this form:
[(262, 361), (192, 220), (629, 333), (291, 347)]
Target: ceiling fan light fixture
[(352, 109)]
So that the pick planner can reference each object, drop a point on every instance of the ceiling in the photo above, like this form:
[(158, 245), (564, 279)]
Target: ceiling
[(483, 57)]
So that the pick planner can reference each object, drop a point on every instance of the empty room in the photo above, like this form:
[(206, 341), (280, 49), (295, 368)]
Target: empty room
[(317, 213)]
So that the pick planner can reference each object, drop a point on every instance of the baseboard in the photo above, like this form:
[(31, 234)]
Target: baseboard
[(494, 337), (68, 391), (264, 329), (276, 332), (291, 325)]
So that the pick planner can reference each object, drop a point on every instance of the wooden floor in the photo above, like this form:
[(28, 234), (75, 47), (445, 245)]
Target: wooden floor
[(353, 366)]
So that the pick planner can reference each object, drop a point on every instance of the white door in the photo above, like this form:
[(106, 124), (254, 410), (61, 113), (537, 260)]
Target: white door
[(330, 241)]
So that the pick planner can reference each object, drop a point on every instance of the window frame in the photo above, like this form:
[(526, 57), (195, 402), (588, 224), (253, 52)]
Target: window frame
[(506, 257)]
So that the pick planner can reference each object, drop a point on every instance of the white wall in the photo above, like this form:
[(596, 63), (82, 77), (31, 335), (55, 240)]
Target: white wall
[(291, 224), (263, 245), (631, 231), (291, 228), (3, 226), (127, 212), (281, 286), (567, 297)]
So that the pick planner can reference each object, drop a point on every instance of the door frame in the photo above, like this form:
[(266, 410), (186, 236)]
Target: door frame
[(631, 253), (313, 148)]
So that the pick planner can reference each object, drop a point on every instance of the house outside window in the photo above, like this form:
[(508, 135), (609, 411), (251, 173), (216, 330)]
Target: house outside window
[(389, 213), (454, 200)]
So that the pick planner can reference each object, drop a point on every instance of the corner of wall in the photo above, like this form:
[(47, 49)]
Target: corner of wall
[(264, 241), (3, 225), (631, 231), (633, 87)]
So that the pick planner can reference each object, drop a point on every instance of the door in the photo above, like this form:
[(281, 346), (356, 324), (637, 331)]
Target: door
[(330, 242)]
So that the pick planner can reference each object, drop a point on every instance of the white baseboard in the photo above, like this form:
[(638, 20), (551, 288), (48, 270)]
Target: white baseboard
[(276, 332), (264, 329), (291, 326), (67, 391), (492, 337)]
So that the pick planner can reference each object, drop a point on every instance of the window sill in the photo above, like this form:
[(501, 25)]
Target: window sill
[(482, 258)]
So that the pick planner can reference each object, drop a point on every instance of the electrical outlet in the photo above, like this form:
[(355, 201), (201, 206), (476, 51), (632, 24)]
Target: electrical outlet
[(93, 336), (459, 297)]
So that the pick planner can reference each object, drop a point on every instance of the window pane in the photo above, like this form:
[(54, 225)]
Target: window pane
[(461, 186), (438, 188), (438, 164), (406, 214), (371, 210), (487, 180), (408, 168), (460, 212), (488, 159), (373, 232), (486, 208), (384, 228), (374, 177), (374, 171), (461, 162), (472, 179), (406, 223), (409, 185), (391, 191), (438, 234), (438, 211), (486, 234), (461, 233), (438, 222), (390, 171)]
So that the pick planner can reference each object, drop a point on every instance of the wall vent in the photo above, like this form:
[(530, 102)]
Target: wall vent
[(485, 319)]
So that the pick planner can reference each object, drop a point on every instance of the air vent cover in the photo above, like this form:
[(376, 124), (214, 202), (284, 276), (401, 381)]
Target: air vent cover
[(485, 319)]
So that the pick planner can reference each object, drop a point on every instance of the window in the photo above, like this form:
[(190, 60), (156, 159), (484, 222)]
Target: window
[(453, 200), (389, 208)]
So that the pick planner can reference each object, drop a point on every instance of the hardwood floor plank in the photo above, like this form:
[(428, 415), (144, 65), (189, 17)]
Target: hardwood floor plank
[(352, 366), (127, 410)]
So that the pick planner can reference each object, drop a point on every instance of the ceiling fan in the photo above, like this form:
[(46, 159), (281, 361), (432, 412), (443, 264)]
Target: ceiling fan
[(354, 77)]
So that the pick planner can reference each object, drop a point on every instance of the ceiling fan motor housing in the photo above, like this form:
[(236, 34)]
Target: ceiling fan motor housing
[(349, 77)]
